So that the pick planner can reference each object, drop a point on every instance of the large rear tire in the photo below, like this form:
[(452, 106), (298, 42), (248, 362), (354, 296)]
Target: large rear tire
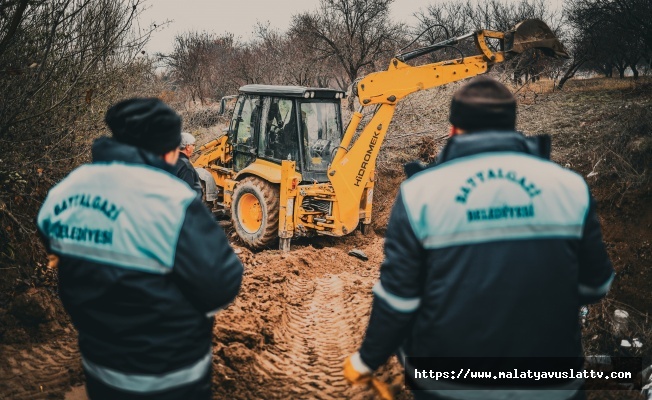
[(255, 211)]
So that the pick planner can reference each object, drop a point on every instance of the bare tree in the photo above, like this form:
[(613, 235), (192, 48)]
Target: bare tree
[(59, 49), (197, 64), (439, 21), (290, 59), (350, 33), (609, 34), (62, 62)]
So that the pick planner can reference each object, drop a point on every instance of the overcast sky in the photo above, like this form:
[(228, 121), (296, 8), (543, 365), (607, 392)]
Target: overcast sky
[(240, 16)]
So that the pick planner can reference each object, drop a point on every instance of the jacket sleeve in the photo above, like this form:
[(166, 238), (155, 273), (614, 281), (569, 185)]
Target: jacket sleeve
[(595, 271), (189, 175), (196, 186), (397, 295), (206, 269)]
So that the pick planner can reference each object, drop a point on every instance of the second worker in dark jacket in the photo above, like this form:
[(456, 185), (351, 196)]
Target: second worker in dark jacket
[(184, 169)]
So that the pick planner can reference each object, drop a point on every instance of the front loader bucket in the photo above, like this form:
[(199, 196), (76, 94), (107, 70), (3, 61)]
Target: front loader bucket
[(533, 33)]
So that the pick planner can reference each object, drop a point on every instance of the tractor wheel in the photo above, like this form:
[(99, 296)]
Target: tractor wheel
[(254, 212)]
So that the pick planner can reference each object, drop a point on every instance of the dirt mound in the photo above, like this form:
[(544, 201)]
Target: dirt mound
[(602, 128), (35, 315)]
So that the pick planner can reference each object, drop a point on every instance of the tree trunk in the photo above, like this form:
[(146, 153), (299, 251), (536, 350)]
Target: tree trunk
[(570, 72), (621, 72), (12, 27), (634, 70)]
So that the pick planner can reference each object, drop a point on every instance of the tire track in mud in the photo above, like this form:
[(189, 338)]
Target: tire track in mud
[(323, 322), (41, 372)]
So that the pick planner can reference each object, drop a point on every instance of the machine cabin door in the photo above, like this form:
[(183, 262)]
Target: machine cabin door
[(321, 130), (246, 129), (279, 138)]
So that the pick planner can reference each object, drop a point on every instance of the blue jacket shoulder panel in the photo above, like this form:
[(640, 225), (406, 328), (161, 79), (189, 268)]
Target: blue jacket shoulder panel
[(495, 196)]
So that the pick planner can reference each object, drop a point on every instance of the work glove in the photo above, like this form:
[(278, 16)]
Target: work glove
[(356, 371)]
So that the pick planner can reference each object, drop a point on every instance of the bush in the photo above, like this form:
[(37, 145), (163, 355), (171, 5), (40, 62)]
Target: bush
[(62, 63)]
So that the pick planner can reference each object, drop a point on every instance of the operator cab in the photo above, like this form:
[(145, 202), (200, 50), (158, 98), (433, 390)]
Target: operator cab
[(277, 123)]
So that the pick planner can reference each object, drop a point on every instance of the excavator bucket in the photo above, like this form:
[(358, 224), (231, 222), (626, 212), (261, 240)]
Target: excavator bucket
[(533, 33)]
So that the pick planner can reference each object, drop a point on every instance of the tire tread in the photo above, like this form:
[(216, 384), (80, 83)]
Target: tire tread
[(271, 196)]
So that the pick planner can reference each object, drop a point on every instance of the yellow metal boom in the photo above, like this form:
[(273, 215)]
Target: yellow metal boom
[(352, 170)]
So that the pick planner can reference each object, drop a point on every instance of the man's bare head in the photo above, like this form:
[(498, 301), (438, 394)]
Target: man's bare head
[(483, 104)]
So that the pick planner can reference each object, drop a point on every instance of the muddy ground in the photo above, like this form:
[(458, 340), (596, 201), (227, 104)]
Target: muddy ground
[(300, 314)]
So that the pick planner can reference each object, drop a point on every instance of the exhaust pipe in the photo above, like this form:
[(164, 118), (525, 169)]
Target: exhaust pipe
[(533, 34)]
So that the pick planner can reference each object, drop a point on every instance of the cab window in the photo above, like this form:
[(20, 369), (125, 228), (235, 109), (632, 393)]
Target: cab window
[(279, 138), (320, 129), (248, 119)]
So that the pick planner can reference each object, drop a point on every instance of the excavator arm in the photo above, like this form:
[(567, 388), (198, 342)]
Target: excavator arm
[(352, 169)]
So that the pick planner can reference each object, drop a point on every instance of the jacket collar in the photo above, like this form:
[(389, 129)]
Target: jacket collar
[(107, 149), (473, 143)]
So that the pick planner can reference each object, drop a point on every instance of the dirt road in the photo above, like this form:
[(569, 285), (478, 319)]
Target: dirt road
[(298, 317), (44, 371)]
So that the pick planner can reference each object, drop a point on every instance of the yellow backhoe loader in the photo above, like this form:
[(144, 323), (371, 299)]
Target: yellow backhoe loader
[(286, 168)]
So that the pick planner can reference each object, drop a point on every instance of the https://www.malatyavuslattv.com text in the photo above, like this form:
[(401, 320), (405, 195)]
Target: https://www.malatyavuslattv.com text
[(516, 374)]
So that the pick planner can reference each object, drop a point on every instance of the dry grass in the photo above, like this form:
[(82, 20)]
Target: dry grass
[(602, 84)]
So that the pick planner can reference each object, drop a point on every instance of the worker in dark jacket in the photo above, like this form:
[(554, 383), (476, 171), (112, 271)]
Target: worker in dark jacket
[(143, 267), (489, 254), (184, 169)]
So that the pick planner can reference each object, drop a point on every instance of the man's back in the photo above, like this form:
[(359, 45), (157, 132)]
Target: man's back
[(501, 233), (117, 258), (142, 268)]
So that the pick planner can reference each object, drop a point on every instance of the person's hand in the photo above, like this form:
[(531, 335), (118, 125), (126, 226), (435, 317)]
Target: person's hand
[(355, 370)]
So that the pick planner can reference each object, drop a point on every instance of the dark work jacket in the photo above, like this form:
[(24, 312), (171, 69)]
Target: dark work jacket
[(490, 253), (185, 171), (143, 267)]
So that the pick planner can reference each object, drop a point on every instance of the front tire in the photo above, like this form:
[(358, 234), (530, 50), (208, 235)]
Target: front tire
[(255, 212)]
